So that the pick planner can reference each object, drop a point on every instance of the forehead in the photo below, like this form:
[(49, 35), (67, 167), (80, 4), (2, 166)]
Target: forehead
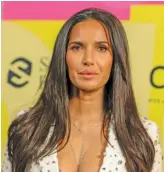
[(88, 30)]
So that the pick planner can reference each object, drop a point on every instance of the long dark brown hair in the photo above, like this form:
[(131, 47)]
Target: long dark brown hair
[(28, 133)]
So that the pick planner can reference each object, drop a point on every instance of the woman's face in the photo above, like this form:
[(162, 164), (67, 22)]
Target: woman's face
[(89, 57)]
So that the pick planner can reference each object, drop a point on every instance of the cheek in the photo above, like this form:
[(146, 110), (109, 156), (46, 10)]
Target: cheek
[(71, 61), (72, 64), (106, 67)]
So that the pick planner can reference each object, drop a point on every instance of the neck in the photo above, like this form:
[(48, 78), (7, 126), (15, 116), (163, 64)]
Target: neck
[(87, 106)]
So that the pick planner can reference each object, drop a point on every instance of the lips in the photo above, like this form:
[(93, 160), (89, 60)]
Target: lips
[(86, 72)]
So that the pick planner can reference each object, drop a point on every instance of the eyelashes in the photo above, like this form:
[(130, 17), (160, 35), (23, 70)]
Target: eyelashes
[(75, 48), (101, 48)]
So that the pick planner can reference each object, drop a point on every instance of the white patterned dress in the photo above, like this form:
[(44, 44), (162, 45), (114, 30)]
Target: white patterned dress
[(113, 160)]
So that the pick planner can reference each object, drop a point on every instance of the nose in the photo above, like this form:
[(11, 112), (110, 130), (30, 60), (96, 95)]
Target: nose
[(88, 58)]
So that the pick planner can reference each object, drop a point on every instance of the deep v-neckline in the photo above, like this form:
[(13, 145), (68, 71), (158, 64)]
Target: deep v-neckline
[(113, 159), (104, 153)]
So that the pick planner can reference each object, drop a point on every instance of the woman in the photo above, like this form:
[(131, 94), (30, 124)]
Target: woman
[(86, 119)]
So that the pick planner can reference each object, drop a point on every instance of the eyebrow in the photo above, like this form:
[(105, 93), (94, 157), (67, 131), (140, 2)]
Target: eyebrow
[(80, 43), (76, 42)]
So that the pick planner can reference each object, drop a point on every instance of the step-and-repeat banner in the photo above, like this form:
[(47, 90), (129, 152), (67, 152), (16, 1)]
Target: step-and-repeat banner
[(29, 30)]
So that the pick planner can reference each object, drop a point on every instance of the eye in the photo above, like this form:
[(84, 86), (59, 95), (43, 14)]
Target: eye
[(102, 48), (75, 48)]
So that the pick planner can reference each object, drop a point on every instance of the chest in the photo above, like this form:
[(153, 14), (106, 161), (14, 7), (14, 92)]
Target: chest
[(82, 154), (98, 158)]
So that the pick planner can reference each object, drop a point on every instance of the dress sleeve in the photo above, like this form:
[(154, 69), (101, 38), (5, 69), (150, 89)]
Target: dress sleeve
[(153, 131), (7, 166), (157, 165)]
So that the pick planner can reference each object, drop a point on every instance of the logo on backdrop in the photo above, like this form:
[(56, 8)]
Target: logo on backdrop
[(155, 71), (20, 70)]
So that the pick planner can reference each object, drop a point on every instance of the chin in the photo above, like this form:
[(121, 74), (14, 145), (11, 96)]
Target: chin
[(88, 88)]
